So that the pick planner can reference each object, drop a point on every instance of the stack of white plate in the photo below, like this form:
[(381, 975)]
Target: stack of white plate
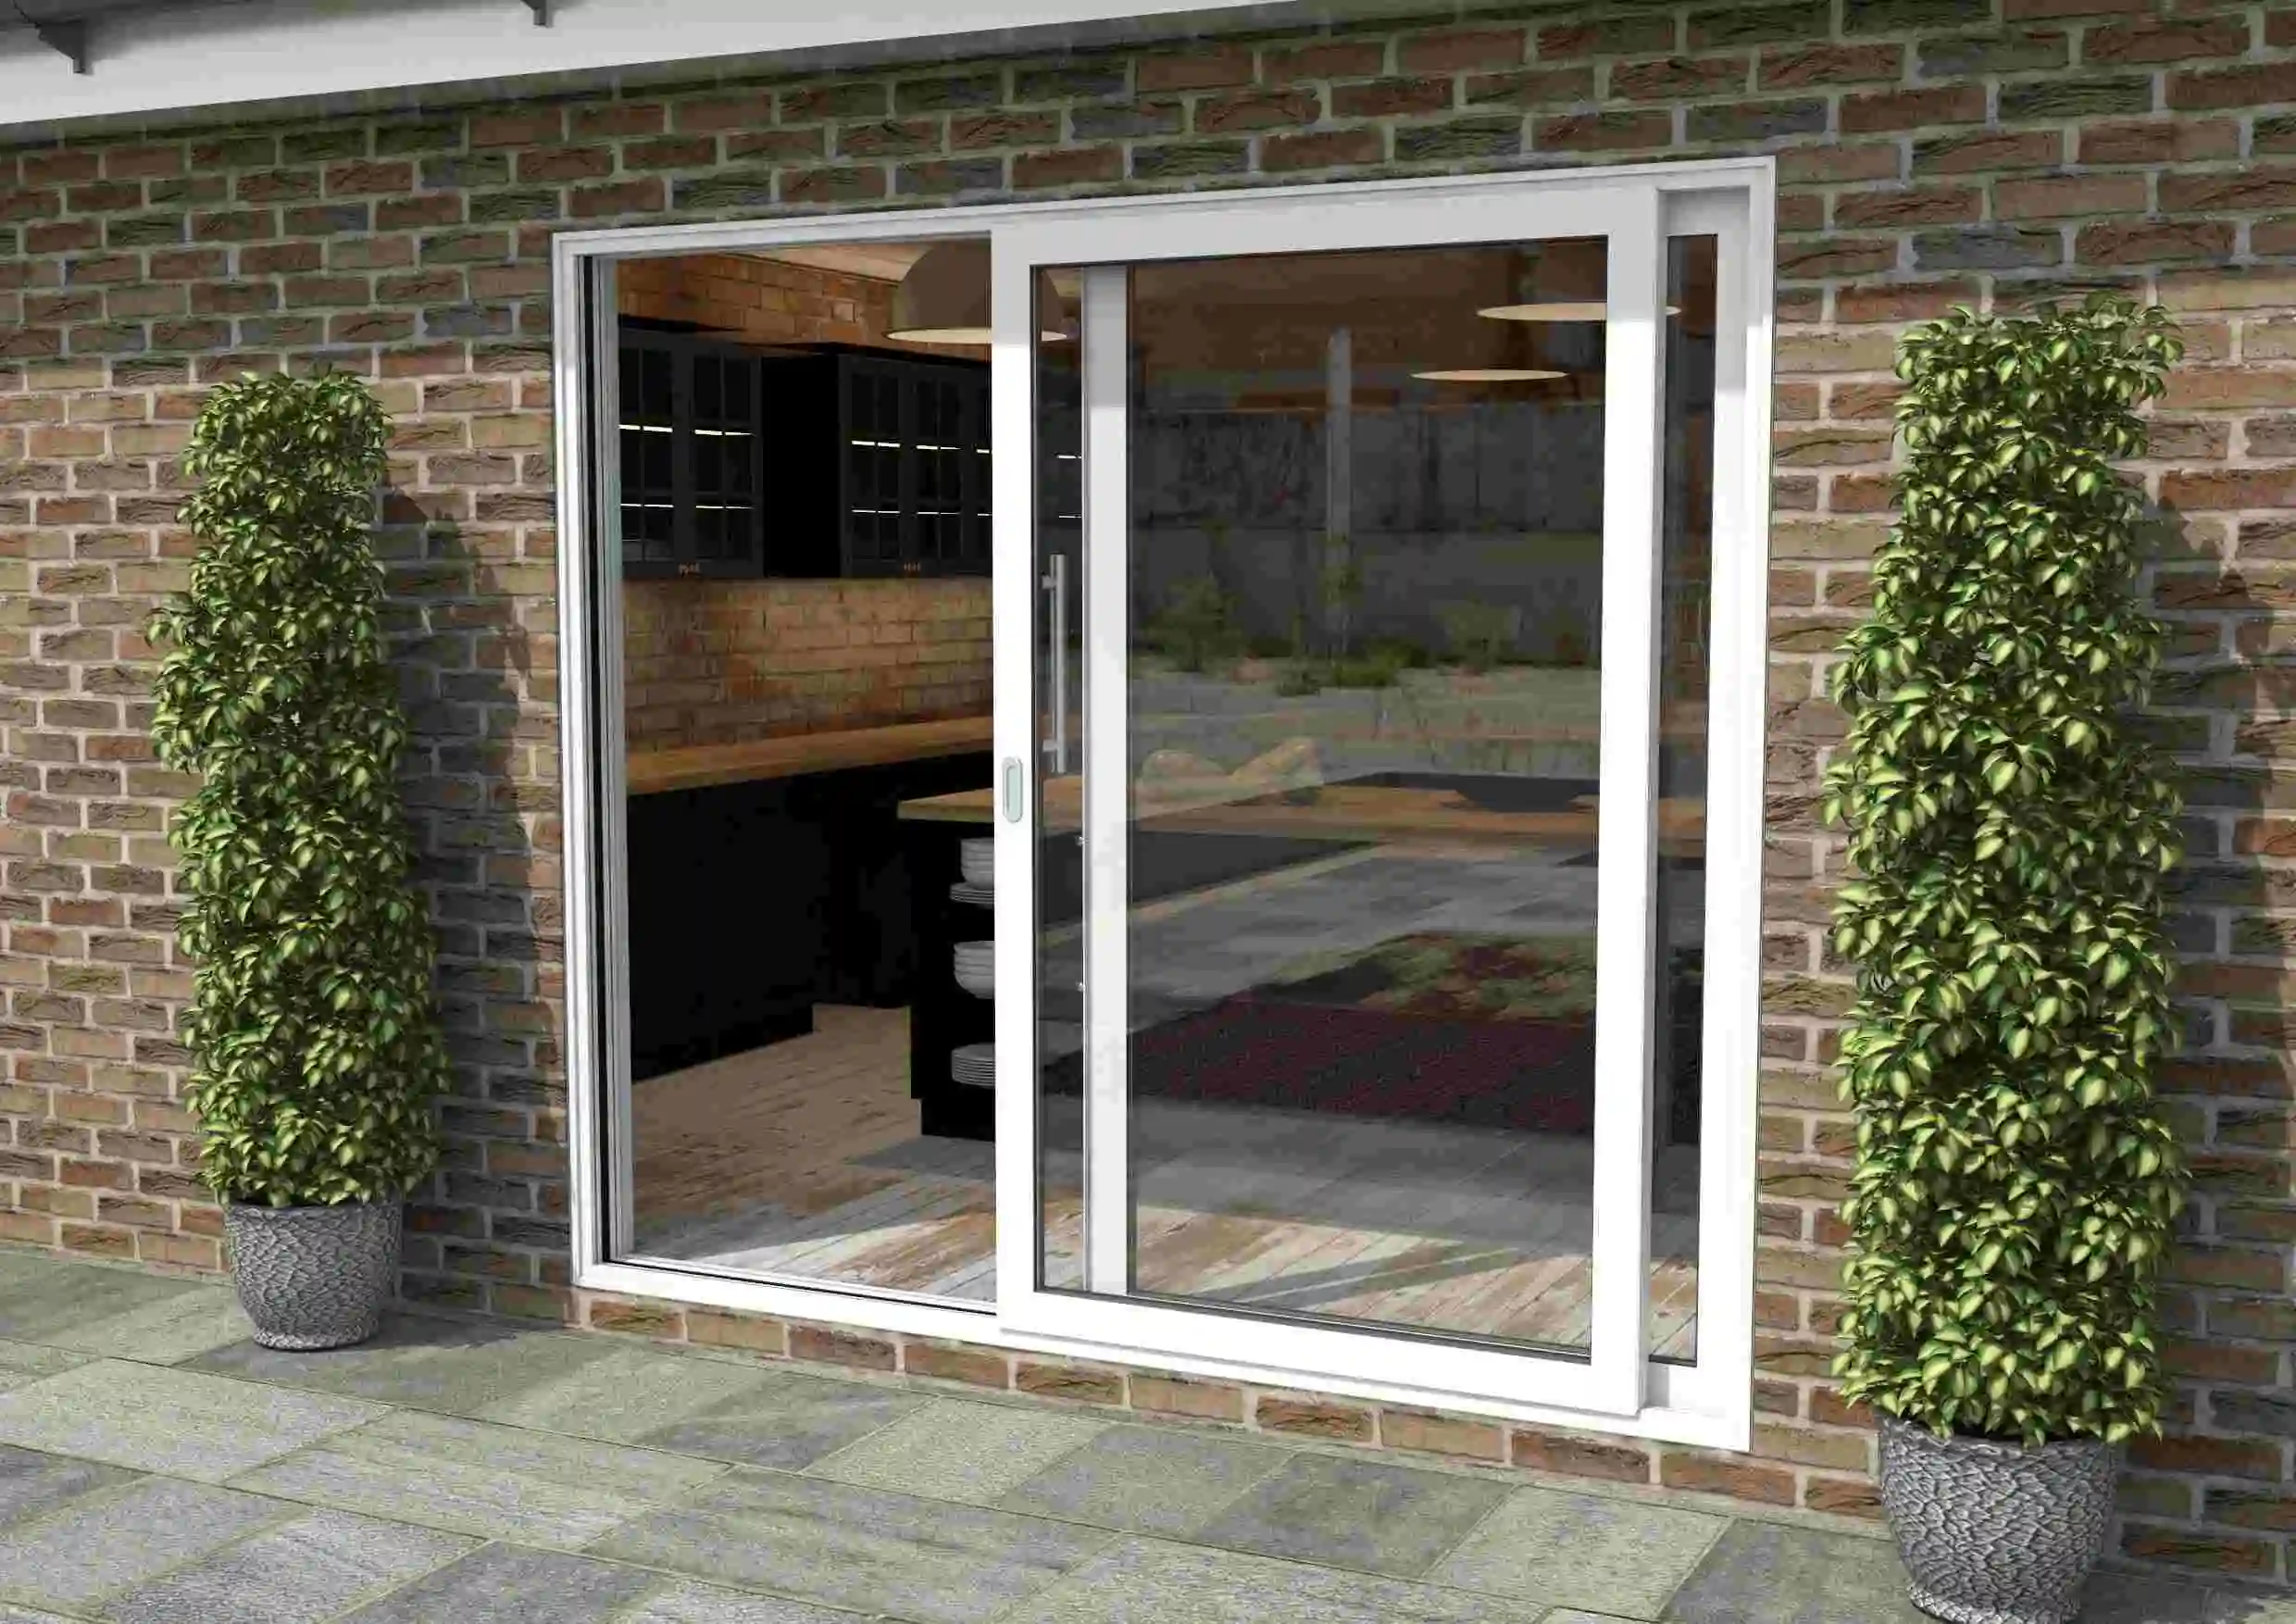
[(974, 1066), (975, 859), (981, 896), (976, 967)]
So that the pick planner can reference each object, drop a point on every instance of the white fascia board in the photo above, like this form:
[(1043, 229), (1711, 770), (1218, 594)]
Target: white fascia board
[(319, 54)]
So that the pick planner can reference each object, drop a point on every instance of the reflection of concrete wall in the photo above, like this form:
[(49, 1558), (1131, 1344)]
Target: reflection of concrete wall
[(1551, 586), (1497, 505), (1536, 721)]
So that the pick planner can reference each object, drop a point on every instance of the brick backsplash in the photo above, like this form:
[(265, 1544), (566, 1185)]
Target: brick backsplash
[(1928, 152), (724, 662)]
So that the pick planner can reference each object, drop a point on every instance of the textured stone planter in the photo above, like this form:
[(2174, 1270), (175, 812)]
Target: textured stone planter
[(313, 1277), (1996, 1534)]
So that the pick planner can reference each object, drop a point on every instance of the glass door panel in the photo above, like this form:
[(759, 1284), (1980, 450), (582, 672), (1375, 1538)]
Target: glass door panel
[(1319, 857), (1360, 536)]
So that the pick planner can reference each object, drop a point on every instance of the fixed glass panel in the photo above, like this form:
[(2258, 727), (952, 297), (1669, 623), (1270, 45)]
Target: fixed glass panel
[(1058, 665), (801, 895), (1686, 574)]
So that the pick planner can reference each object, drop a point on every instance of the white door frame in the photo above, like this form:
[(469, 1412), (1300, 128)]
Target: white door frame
[(1618, 1391)]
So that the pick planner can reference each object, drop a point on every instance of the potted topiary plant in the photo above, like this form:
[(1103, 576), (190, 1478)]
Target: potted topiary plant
[(2008, 828), (316, 1047)]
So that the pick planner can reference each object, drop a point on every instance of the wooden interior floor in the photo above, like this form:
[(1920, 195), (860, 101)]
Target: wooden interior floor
[(802, 1160)]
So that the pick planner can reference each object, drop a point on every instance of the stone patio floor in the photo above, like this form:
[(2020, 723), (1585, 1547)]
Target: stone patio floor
[(155, 1467)]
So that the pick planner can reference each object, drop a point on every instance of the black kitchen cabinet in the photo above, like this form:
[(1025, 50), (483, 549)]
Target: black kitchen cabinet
[(693, 454), (750, 903), (879, 464)]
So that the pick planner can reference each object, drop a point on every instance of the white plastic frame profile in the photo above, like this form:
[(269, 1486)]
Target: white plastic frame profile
[(1619, 1389)]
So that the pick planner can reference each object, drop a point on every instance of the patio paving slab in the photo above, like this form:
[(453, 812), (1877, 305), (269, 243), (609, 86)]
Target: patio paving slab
[(301, 1572), (1393, 1520), (785, 1421), (32, 1485), (114, 1312), (1143, 1481), (626, 1393), (103, 1542), (687, 1603), (1582, 1551), (22, 1362), (950, 1450), (473, 1477), (371, 1503), (861, 1549), (504, 1584), (1787, 1575), (420, 1362), (1145, 1581), (158, 1418)]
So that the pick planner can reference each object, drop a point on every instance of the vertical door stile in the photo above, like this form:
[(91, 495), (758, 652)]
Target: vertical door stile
[(1013, 609), (607, 732), (1735, 717), (1107, 779), (1627, 819)]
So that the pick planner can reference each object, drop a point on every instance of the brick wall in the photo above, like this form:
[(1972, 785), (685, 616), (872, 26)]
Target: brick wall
[(724, 662), (1929, 151)]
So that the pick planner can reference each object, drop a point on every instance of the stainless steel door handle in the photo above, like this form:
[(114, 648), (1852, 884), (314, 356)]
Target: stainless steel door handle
[(1055, 584)]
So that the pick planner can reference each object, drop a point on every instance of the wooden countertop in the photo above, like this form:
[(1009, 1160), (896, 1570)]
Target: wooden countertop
[(1343, 812), (695, 766)]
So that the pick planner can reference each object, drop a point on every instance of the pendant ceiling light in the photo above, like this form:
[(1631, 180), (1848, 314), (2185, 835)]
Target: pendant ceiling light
[(1489, 374), (1557, 310), (944, 299)]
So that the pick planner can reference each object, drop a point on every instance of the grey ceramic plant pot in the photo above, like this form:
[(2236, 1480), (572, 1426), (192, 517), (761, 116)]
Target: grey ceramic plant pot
[(313, 1277), (1996, 1534)]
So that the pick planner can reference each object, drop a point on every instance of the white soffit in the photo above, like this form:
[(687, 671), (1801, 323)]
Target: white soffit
[(154, 57)]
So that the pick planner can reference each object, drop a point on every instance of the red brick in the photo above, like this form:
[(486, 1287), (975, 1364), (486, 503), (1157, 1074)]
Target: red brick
[(1580, 1455), (1313, 1417), (828, 1345), (2037, 10), (2159, 140), (639, 196), (1961, 155), (1912, 109), (1672, 77), (1531, 86), (1459, 50), (2150, 243), (1604, 131), (1619, 36), (2217, 1552), (1740, 1480), (1212, 68), (2043, 197), (1787, 68), (1388, 97), (2233, 87), (711, 114), (518, 127), (616, 119), (1323, 59), (1180, 1395), (1916, 206), (973, 1367), (2165, 41), (2246, 190), (833, 185), (1324, 150), (1225, 115), (1073, 166)]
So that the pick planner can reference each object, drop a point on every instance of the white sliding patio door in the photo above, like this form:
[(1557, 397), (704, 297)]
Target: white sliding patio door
[(1374, 575)]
